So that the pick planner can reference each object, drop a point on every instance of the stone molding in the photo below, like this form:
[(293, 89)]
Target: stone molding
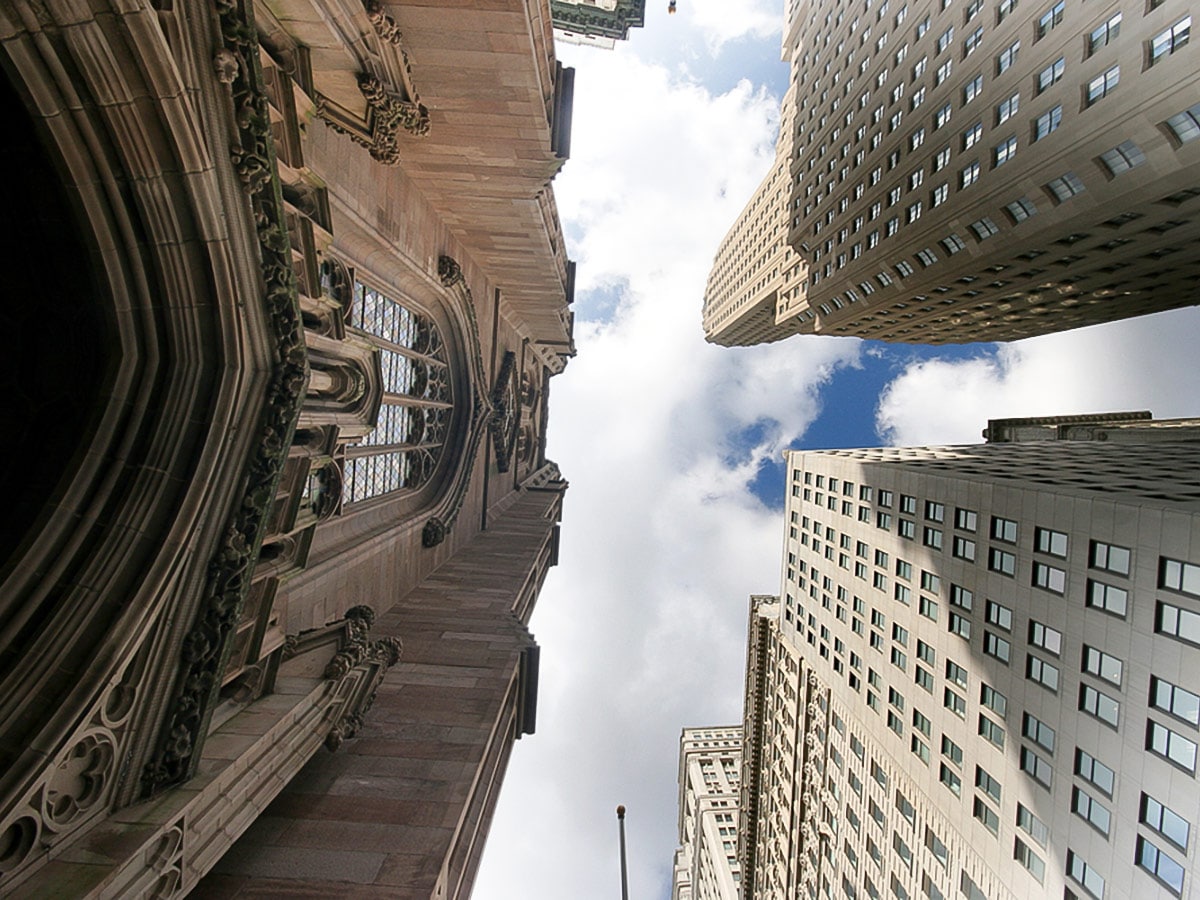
[(447, 509), (96, 605), (614, 23), (548, 476), (207, 644)]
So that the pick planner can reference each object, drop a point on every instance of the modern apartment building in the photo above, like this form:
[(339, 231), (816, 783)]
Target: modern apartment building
[(710, 767), (967, 170), (979, 678)]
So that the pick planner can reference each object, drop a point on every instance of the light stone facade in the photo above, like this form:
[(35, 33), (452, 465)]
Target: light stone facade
[(710, 768), (966, 172), (979, 677), (295, 289), (757, 279)]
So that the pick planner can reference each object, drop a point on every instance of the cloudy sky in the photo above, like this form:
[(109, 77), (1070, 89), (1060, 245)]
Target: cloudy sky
[(672, 446)]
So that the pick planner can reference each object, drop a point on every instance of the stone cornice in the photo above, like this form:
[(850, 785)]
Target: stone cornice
[(614, 23)]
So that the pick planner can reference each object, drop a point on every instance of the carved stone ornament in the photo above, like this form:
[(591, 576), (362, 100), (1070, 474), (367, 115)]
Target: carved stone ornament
[(290, 645), (433, 533), (357, 668), (357, 649), (207, 645), (450, 272), (362, 615), (388, 114), (225, 66), (79, 780), (385, 26), (504, 420), (337, 283), (327, 491)]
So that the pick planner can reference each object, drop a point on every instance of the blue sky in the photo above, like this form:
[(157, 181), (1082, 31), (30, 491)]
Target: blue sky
[(849, 412), (672, 445)]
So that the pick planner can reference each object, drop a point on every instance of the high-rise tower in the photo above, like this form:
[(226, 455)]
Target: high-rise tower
[(967, 171), (757, 279), (979, 677)]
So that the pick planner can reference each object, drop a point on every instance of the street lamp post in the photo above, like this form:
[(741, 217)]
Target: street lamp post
[(624, 877)]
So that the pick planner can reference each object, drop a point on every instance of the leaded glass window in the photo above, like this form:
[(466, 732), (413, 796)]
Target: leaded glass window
[(402, 451)]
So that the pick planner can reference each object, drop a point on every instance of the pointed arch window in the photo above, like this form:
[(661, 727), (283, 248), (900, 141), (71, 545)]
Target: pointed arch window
[(402, 452)]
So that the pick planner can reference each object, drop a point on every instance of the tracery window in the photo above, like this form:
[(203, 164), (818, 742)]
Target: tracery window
[(402, 451)]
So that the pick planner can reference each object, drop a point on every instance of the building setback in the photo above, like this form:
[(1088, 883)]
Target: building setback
[(710, 767), (295, 289), (966, 171), (979, 677)]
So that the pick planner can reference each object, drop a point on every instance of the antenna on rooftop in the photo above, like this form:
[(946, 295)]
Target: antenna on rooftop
[(624, 877)]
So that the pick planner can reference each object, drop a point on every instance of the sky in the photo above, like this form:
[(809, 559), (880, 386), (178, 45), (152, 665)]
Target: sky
[(672, 446)]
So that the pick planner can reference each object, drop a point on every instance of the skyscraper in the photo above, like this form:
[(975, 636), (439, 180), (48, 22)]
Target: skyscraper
[(294, 289), (964, 173), (979, 677), (757, 278), (710, 766), (757, 281)]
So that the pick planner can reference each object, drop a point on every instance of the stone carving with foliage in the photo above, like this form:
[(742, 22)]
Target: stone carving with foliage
[(206, 646)]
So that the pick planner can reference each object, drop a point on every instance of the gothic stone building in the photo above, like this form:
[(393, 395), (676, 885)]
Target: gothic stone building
[(287, 288)]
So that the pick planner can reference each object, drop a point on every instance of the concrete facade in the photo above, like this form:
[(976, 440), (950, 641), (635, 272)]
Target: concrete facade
[(267, 583), (977, 173), (978, 678)]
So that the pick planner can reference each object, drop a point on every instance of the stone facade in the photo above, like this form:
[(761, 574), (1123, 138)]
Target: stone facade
[(710, 770), (288, 508)]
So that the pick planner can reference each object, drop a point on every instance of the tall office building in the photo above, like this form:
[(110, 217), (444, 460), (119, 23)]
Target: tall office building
[(979, 678), (293, 290), (757, 281), (967, 171), (710, 767)]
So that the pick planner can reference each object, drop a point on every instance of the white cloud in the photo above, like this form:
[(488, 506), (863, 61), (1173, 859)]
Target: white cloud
[(642, 625), (727, 20), (659, 169), (1144, 363)]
